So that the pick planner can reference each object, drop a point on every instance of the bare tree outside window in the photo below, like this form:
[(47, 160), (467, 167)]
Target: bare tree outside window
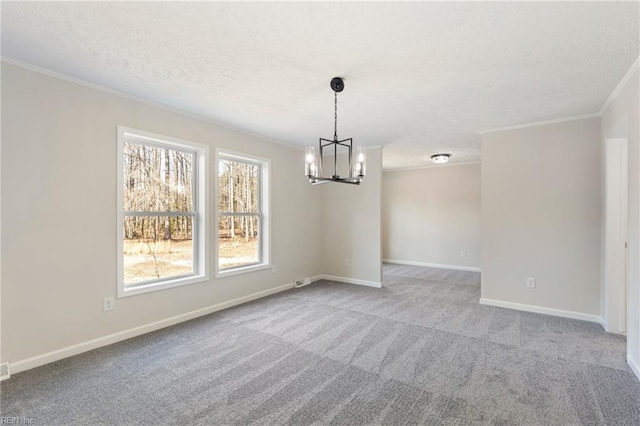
[(158, 212), (239, 213)]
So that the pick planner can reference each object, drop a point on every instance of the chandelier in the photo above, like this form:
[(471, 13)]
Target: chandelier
[(357, 160)]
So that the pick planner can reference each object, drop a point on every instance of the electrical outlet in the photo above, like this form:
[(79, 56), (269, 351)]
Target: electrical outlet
[(531, 282), (463, 253), (274, 269), (346, 261), (108, 304)]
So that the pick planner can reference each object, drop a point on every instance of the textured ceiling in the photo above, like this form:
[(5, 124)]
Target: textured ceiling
[(420, 77)]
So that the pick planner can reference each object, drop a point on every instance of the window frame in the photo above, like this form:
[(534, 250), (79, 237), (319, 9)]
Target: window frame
[(200, 202), (264, 215)]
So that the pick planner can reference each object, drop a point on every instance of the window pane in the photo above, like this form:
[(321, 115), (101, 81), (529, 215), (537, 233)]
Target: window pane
[(157, 247), (157, 179), (238, 241), (238, 187)]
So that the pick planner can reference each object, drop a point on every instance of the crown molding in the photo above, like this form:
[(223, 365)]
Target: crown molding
[(141, 100), (620, 86), (634, 67), (430, 166), (539, 123), (614, 94)]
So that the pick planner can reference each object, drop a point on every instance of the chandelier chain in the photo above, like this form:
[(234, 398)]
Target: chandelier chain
[(335, 117)]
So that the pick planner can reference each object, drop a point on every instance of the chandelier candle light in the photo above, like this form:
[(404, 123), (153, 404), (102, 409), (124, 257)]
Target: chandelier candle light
[(314, 158)]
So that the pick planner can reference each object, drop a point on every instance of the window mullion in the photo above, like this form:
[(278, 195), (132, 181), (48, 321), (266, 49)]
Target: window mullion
[(238, 214), (152, 214)]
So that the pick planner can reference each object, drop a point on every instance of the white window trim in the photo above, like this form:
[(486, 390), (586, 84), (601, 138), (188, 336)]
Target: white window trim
[(265, 198), (201, 250)]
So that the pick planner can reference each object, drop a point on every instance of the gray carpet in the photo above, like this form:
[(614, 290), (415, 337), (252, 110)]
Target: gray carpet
[(419, 351)]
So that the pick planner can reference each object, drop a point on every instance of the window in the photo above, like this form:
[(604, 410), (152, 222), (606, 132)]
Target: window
[(162, 223), (242, 230)]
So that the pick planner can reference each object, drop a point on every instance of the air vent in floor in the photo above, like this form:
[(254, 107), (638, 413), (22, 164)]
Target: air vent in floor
[(4, 371)]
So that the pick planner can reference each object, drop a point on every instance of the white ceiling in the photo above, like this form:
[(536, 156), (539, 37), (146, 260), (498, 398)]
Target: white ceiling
[(420, 78)]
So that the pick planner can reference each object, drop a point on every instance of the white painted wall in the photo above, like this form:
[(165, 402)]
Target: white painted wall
[(351, 225), (59, 215), (430, 215), (541, 217), (624, 104)]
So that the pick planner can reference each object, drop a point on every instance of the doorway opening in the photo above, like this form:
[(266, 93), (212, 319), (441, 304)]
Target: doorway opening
[(616, 229)]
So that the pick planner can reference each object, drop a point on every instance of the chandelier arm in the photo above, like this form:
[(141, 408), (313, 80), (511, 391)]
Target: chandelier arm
[(321, 180)]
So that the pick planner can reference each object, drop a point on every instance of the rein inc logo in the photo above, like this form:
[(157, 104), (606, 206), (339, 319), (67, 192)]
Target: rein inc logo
[(17, 421)]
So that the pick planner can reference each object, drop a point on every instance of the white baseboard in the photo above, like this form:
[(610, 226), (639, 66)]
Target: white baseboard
[(59, 354), (432, 265), (49, 357), (634, 366), (541, 310), (349, 280)]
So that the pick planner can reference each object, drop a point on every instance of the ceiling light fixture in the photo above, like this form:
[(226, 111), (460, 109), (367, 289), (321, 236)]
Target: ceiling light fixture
[(314, 158), (440, 158)]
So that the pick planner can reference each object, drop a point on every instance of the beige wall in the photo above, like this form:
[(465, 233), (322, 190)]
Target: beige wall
[(541, 216), (59, 215), (58, 196), (351, 225), (430, 215), (626, 104)]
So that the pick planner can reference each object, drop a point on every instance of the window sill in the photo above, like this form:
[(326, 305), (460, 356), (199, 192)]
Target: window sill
[(162, 285), (242, 270)]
